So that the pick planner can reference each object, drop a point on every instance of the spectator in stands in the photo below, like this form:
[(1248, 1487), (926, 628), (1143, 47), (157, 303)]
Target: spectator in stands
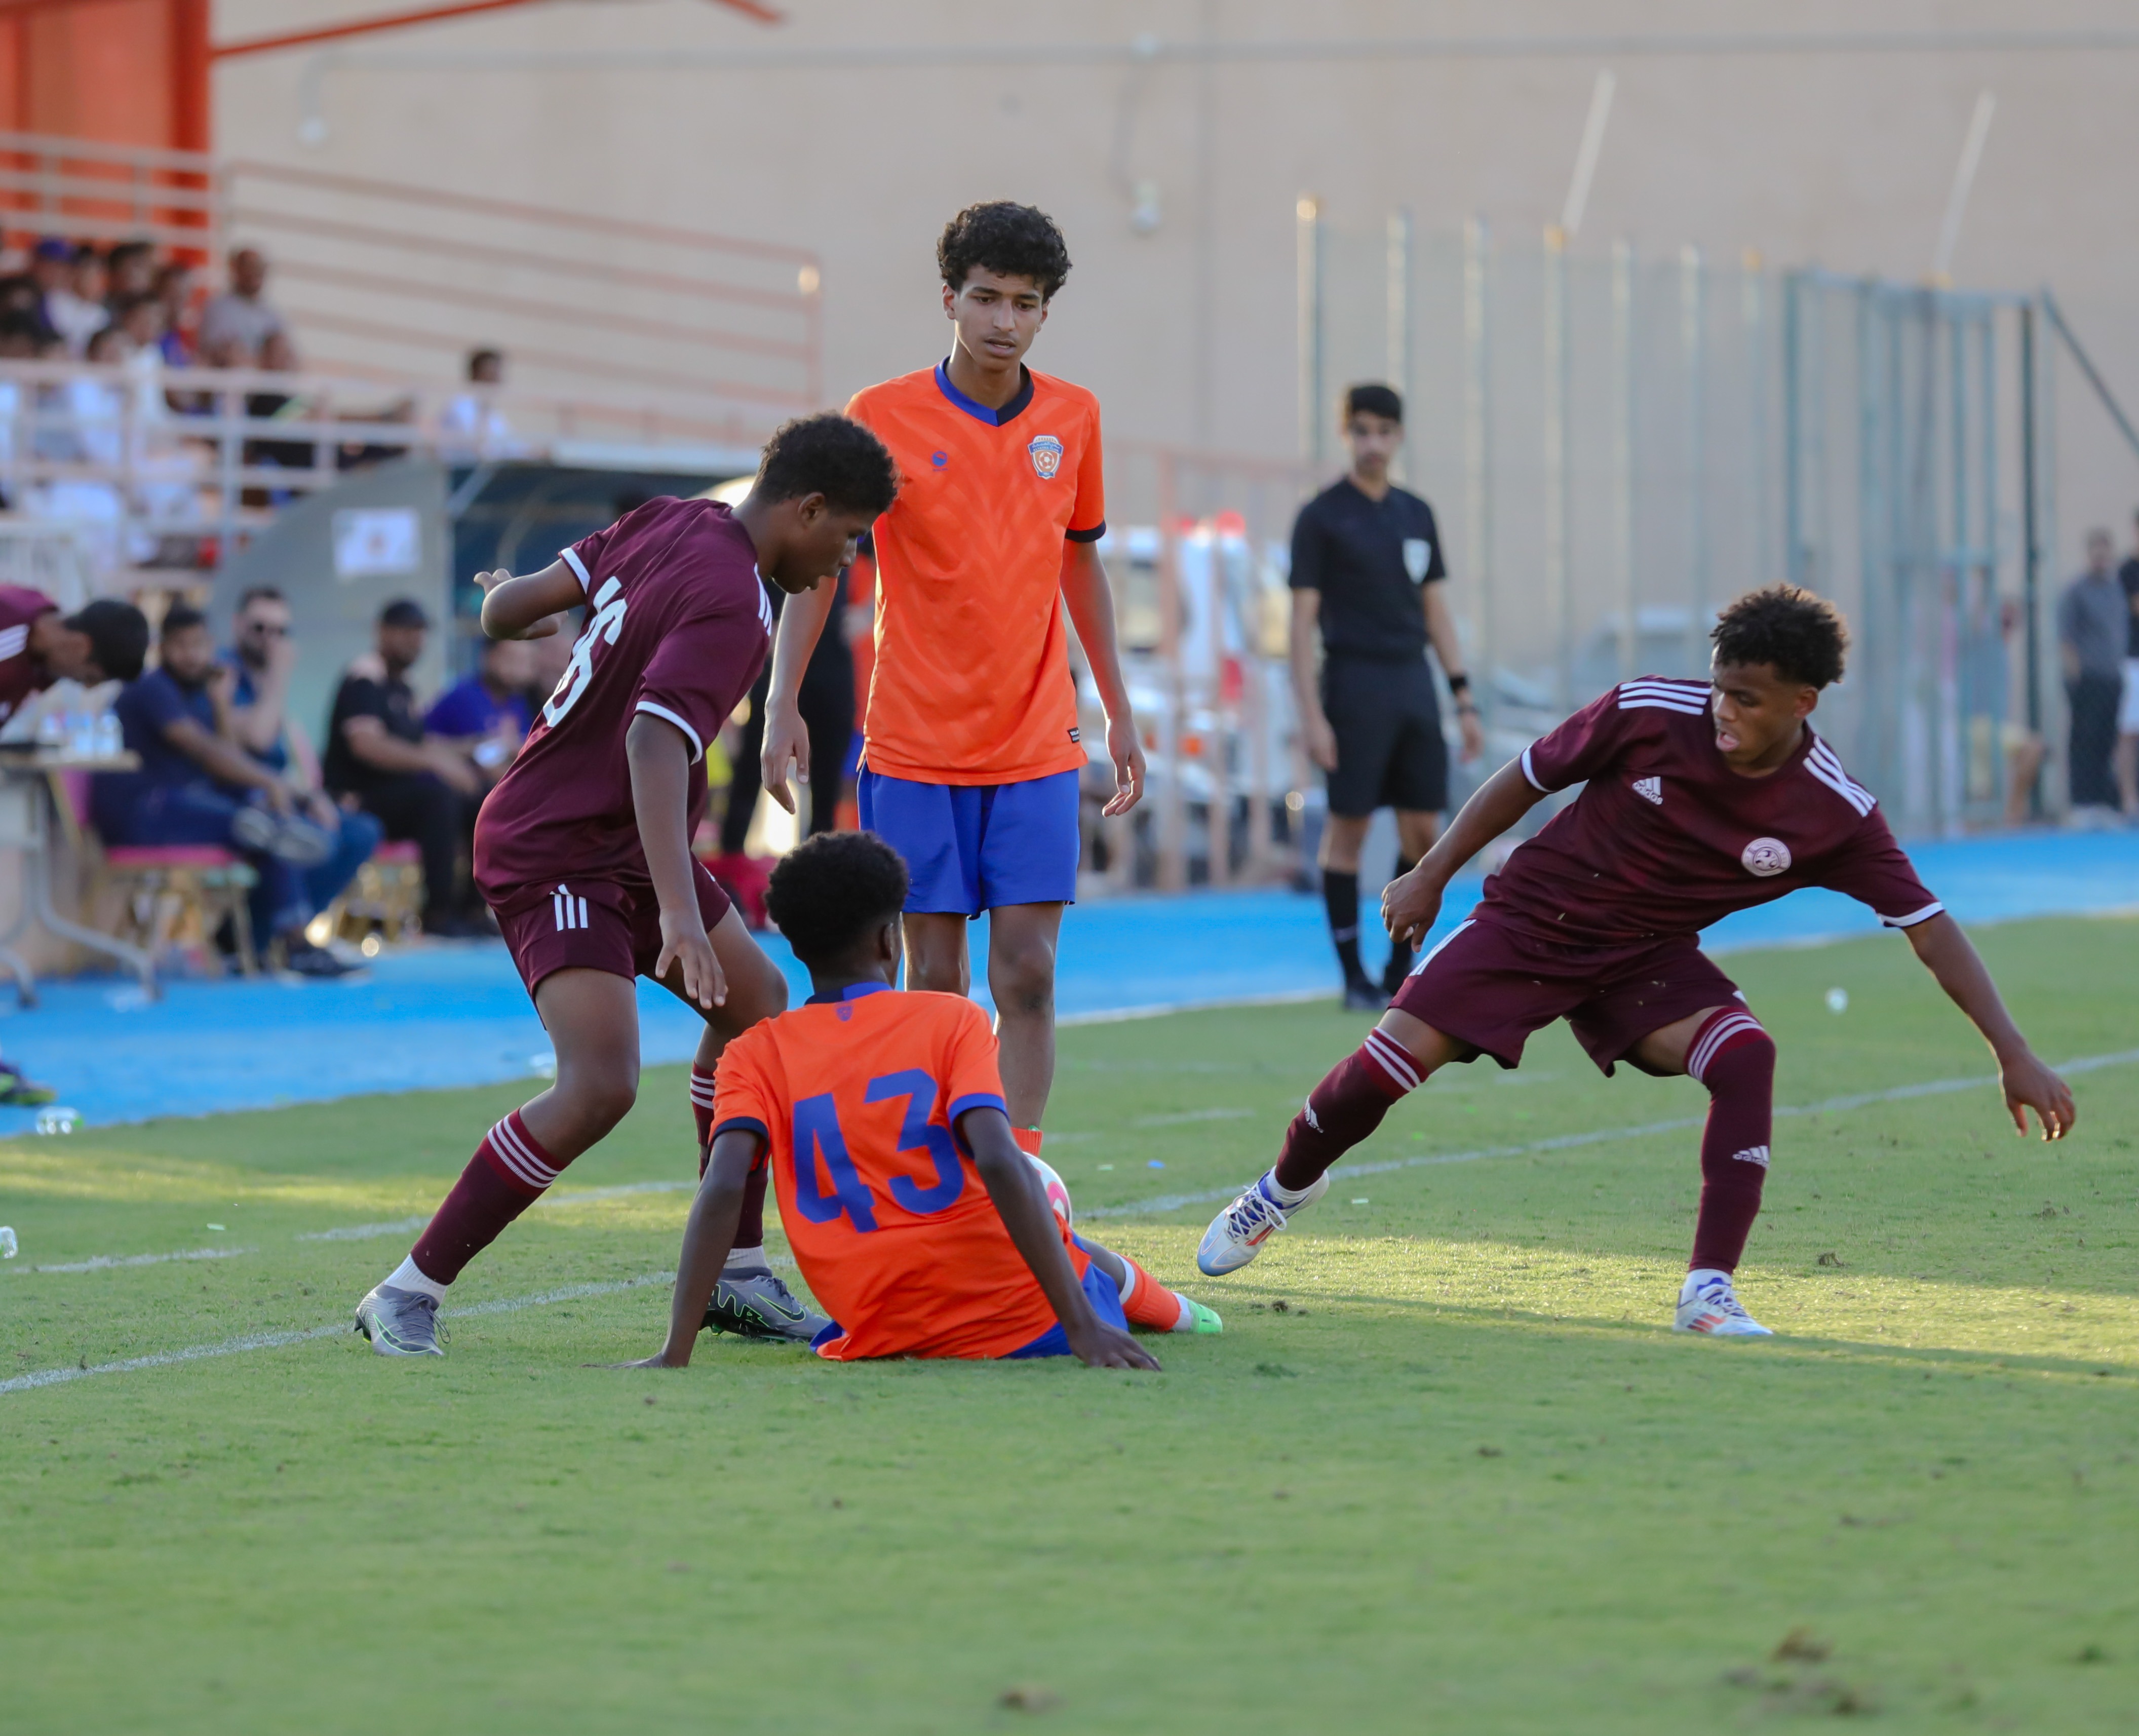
[(131, 269), (195, 786), (174, 288), (424, 790), (487, 717), (241, 315), (65, 316), (2128, 716), (102, 641), (472, 420), (2092, 634), (261, 661)]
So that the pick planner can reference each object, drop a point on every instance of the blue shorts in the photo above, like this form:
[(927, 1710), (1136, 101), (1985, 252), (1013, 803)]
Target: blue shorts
[(970, 847), (1106, 1303)]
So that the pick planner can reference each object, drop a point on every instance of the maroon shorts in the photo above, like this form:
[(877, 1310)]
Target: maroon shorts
[(1489, 986), (592, 925)]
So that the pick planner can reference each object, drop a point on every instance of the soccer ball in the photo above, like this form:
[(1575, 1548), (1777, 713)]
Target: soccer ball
[(1058, 1191)]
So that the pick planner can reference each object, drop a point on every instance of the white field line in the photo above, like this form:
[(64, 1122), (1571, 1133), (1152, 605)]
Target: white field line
[(1567, 1141), (279, 1341), (1166, 1202), (107, 1262)]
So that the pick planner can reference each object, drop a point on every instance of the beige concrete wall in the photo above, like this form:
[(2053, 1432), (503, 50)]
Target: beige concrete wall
[(1186, 331)]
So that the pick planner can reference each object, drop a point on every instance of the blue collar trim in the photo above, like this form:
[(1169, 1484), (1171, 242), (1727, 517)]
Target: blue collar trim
[(979, 412), (852, 992)]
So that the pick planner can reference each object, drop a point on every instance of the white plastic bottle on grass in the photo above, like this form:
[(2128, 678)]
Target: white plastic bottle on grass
[(7, 1242)]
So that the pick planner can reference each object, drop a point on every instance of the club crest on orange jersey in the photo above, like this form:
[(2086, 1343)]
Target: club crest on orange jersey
[(1047, 456)]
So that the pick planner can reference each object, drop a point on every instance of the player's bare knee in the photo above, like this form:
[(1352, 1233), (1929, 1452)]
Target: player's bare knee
[(1023, 980)]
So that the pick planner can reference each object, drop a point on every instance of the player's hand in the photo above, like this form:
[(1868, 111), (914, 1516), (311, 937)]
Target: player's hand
[(1474, 732), (1409, 906), (2028, 1084), (1098, 1346), (1321, 741), (684, 942), (662, 1360), (786, 741), (1127, 752)]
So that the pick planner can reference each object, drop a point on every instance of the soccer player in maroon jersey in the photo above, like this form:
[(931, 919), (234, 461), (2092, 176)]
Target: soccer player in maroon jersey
[(1698, 799), (583, 850)]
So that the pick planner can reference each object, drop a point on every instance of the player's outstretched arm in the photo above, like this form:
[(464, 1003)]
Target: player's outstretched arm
[(1091, 599), (2027, 1082), (1409, 904), (708, 1234), (1014, 1184), (802, 620), (531, 607), (661, 770)]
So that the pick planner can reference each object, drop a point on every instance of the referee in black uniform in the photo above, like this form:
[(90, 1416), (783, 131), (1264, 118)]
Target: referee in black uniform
[(1367, 569)]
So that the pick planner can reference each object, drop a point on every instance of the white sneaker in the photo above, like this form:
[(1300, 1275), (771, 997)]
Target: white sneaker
[(1236, 1234), (1707, 1303)]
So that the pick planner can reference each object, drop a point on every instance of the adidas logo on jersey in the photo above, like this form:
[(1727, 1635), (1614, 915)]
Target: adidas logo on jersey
[(1751, 1155), (1650, 789)]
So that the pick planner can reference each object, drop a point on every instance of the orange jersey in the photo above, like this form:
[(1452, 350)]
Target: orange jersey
[(972, 680), (856, 1100)]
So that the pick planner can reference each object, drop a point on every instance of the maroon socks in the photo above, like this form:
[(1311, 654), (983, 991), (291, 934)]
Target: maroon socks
[(508, 1173), (1735, 1059), (1345, 1108)]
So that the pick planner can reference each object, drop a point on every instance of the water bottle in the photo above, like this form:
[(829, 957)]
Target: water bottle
[(57, 1119), (111, 739), (51, 730), (7, 1242), (81, 734)]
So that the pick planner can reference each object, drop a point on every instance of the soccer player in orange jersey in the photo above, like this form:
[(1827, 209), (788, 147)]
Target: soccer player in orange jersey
[(918, 1222), (970, 751)]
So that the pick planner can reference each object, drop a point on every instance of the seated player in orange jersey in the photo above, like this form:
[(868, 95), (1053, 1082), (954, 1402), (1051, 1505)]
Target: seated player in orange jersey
[(922, 1229)]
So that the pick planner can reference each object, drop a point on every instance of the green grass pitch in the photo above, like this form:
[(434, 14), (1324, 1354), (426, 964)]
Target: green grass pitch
[(1447, 1470)]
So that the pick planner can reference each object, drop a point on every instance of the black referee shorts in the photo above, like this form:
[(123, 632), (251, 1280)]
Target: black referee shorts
[(1390, 749)]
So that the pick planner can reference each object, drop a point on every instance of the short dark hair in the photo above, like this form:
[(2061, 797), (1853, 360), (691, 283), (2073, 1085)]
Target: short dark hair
[(828, 893), (829, 455), (1011, 240), (259, 594), (1373, 399), (118, 635), (1801, 637), (476, 358), (403, 611), (180, 617)]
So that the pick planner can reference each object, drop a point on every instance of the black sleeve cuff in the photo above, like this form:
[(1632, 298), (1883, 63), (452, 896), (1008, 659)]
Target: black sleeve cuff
[(1093, 535)]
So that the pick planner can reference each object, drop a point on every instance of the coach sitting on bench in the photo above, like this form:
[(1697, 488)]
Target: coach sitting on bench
[(421, 789), (195, 786)]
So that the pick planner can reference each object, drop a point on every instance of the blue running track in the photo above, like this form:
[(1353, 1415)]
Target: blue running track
[(454, 1015)]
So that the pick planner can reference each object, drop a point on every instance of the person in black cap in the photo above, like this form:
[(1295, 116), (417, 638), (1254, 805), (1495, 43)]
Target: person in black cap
[(1368, 571), (418, 789)]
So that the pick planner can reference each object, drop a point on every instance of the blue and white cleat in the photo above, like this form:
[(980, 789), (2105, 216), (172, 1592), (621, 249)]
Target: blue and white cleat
[(1236, 1234), (399, 1323), (1707, 1303)]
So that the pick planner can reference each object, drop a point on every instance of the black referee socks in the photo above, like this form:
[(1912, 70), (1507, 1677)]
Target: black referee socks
[(1340, 898)]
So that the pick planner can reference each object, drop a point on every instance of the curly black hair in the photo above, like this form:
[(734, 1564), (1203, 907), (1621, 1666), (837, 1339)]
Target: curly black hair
[(1801, 637), (831, 456), (828, 893), (1011, 240)]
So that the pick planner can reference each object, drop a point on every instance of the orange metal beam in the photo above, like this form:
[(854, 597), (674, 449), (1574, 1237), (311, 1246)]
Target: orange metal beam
[(422, 15)]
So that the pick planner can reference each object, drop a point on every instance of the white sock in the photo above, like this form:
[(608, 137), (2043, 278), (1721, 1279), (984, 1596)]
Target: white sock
[(409, 1276), (1285, 1196), (746, 1259), (1187, 1322), (1701, 1277)]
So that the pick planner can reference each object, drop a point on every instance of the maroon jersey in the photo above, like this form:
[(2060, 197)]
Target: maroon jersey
[(1666, 839), (21, 675), (678, 626)]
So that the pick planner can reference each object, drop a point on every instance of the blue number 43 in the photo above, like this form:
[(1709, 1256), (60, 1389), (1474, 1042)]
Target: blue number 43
[(819, 1142)]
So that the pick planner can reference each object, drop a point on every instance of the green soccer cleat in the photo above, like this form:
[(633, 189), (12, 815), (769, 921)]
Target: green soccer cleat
[(1206, 1320), (19, 1092)]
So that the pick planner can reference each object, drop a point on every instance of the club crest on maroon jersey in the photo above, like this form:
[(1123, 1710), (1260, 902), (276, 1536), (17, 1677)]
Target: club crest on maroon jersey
[(1766, 856)]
